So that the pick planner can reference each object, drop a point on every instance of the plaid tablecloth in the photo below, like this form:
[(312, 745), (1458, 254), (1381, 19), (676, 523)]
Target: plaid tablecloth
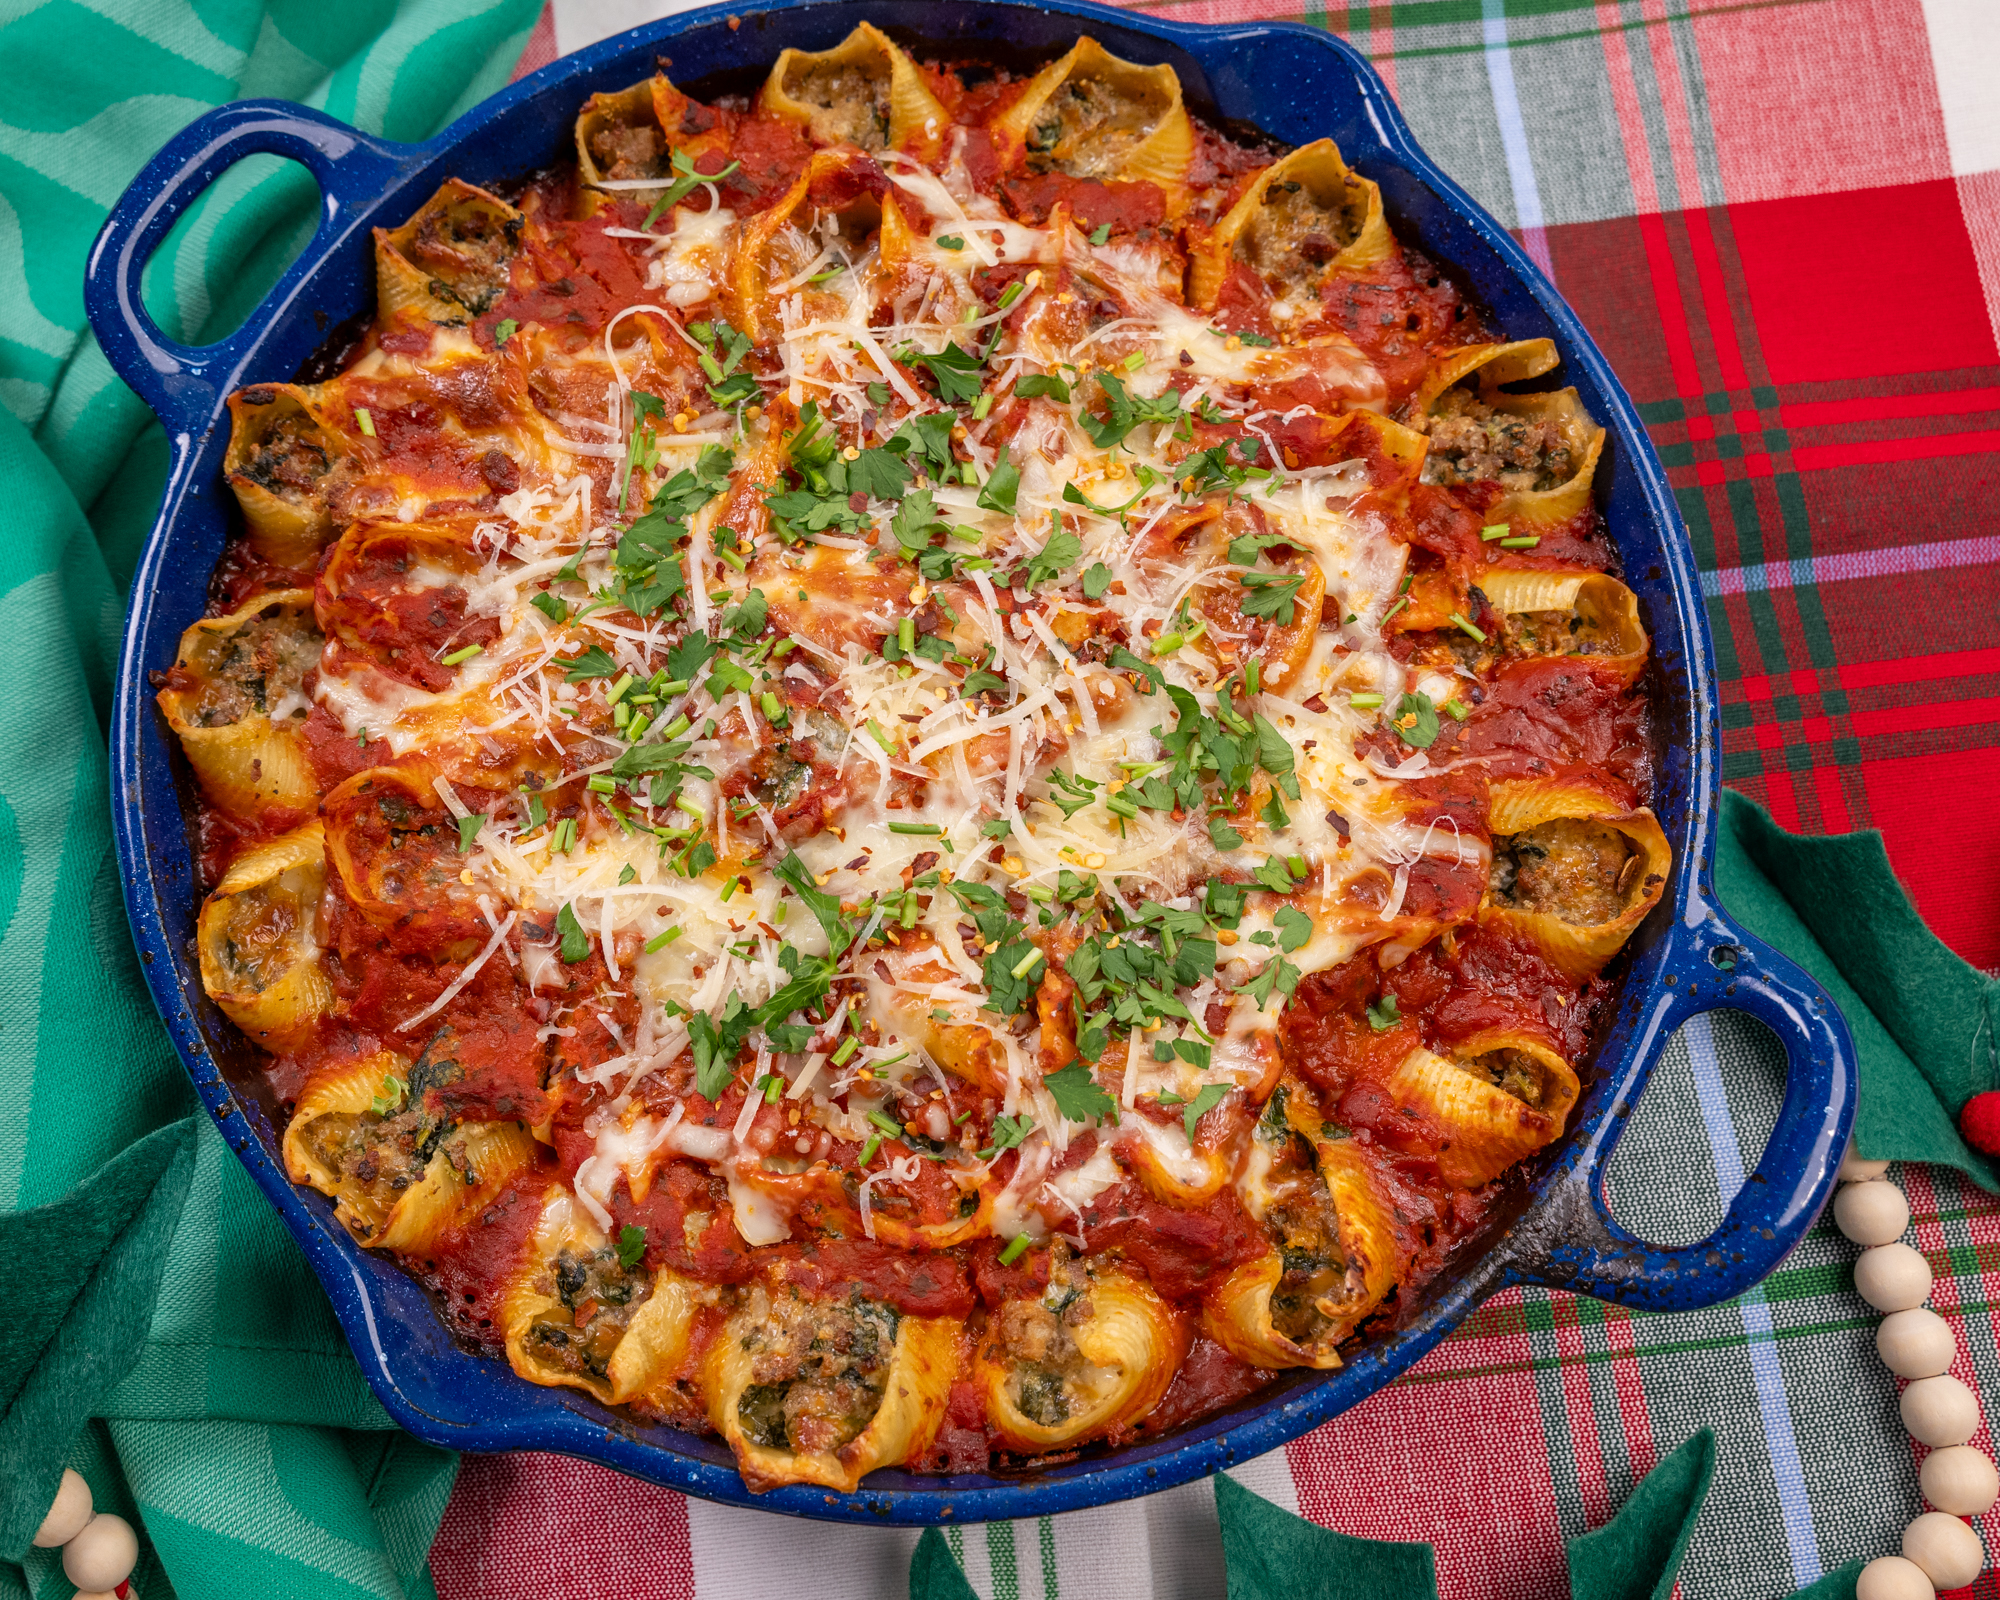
[(1781, 220)]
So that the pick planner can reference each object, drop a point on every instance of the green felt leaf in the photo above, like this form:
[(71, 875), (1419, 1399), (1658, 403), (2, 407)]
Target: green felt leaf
[(82, 1275), (1637, 1554), (1926, 1024), (1273, 1555), (934, 1575)]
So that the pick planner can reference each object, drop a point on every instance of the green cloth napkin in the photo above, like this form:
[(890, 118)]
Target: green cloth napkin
[(168, 1341), (165, 1337), (1926, 1023)]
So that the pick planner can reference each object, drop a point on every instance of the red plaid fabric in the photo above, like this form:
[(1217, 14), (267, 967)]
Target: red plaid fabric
[(1781, 220)]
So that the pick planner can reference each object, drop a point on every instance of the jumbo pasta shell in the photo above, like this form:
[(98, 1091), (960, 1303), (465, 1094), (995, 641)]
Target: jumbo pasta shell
[(280, 455), (1131, 1345), (407, 1192), (1239, 1314), (1552, 909), (864, 92), (1141, 132), (1588, 609), (540, 1331), (1282, 200), (229, 673), (906, 1420), (258, 938), (452, 260), (1481, 369), (1485, 1130)]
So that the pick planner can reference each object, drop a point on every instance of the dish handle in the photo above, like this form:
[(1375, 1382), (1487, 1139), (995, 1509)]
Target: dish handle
[(180, 381), (1579, 1246)]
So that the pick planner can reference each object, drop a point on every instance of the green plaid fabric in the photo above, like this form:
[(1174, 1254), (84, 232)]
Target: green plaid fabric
[(237, 1432)]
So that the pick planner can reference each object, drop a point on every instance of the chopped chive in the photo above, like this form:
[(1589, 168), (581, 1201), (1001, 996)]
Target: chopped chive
[(466, 654), (890, 1128), (910, 909), (1456, 709), (676, 686), (1135, 361), (1016, 1247), (1467, 628), (1298, 865), (981, 406), (774, 713), (1027, 963), (1168, 643), (1364, 702), (364, 422), (924, 829), (1398, 606), (1525, 542), (617, 691), (729, 890), (693, 808), (906, 634), (602, 783), (1495, 530), (1039, 891), (773, 1087), (1009, 295), (677, 727), (847, 1048), (868, 1150)]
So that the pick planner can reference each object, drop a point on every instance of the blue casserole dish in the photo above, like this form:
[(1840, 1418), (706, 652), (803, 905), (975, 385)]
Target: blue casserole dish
[(1294, 83)]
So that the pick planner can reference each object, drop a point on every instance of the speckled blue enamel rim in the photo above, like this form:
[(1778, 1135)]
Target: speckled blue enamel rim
[(1295, 83)]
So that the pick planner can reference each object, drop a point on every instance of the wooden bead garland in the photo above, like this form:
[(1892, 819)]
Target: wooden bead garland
[(99, 1550), (1940, 1549)]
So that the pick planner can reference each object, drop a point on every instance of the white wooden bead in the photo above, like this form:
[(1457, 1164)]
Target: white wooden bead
[(1892, 1277), (1915, 1344), (68, 1514), (1871, 1213), (1893, 1578), (1853, 1169), (1940, 1411), (1948, 1550), (103, 1555), (1959, 1481)]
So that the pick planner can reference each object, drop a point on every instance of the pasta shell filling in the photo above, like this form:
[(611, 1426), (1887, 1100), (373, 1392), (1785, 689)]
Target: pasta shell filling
[(288, 456), (1572, 868), (257, 669), (597, 1295), (1293, 236), (818, 1370), (850, 98), (1313, 1290), (1565, 633), (263, 934), (1513, 1072), (1051, 1379), (1474, 440), (1089, 127)]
